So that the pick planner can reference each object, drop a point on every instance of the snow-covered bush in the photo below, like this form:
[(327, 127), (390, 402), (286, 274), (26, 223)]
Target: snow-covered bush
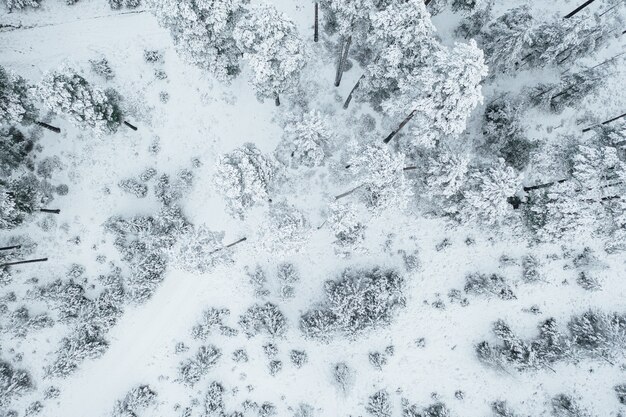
[(274, 50), (102, 68), (193, 369), (14, 382), (502, 409), (214, 400), (245, 177), (20, 197), (360, 300), (343, 376), (379, 405), (263, 319), (14, 151), (21, 4), (286, 229), (168, 190), (438, 409), (85, 342), (212, 318), (199, 250), (488, 284), (16, 103), (565, 406), (134, 187), (298, 358), (135, 402), (598, 335), (345, 223), (65, 91), (306, 140), (203, 32)]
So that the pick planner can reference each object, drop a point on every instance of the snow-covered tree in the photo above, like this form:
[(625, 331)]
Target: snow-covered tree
[(65, 91), (16, 104), (472, 25), (21, 4), (203, 32), (345, 222), (18, 198), (446, 174), (442, 95), (380, 177), (199, 250), (245, 177), (273, 49), (488, 191), (135, 402), (507, 39), (404, 36), (286, 230), (306, 140), (569, 91)]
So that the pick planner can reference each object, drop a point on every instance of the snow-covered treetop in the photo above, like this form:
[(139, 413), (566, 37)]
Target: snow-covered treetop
[(65, 91), (306, 138), (203, 32), (16, 105), (273, 49), (245, 178)]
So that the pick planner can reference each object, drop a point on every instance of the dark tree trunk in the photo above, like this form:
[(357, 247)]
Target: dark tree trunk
[(349, 99), (316, 26), (347, 193), (243, 239), (411, 168), (427, 2), (130, 125), (276, 100), (11, 247), (404, 122), (606, 122), (546, 185), (579, 8), (53, 211), (345, 48), (49, 127), (30, 261)]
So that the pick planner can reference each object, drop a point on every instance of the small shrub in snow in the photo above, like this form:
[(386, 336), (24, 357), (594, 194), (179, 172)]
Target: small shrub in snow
[(304, 410), (501, 409), (377, 360), (193, 369), (588, 281), (135, 402), (598, 335), (21, 4), (134, 187), (565, 406), (102, 68), (212, 319), (379, 405), (275, 367), (85, 342), (245, 177), (267, 319), (13, 383), (153, 56), (531, 269), (240, 356), (214, 400), (346, 225), (258, 279), (298, 358), (620, 391), (343, 376), (358, 301), (488, 284)]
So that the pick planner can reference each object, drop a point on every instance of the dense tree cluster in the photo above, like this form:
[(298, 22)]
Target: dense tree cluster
[(359, 300)]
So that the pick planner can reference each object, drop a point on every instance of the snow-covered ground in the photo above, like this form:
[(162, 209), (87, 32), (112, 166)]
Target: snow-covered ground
[(204, 119)]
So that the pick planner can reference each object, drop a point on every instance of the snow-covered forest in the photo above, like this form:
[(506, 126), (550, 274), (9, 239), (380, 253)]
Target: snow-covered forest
[(334, 208)]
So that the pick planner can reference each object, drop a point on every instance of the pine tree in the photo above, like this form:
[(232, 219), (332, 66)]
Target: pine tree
[(306, 140), (488, 191), (245, 177), (507, 39), (273, 49), (16, 104), (287, 230), (344, 221), (199, 250), (443, 94), (18, 198), (404, 36), (380, 177), (65, 91), (203, 32)]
